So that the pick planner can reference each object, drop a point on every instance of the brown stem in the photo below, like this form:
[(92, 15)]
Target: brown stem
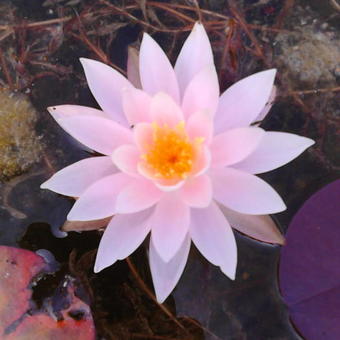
[(315, 91), (6, 34), (144, 23), (288, 5), (38, 23), (198, 10), (148, 336), (167, 8), (246, 29), (148, 292), (5, 70)]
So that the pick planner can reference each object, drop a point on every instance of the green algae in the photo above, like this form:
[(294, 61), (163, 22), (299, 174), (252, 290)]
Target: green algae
[(20, 147)]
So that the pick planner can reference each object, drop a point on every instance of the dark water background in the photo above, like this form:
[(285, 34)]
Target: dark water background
[(40, 67)]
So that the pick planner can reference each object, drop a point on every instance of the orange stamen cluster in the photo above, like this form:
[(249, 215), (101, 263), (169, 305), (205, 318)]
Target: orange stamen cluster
[(172, 153)]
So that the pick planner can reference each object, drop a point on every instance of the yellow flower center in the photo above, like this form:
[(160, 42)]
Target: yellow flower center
[(171, 154)]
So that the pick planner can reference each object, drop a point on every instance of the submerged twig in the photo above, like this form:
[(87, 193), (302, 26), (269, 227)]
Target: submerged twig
[(250, 34), (37, 23), (5, 70), (151, 295), (315, 91)]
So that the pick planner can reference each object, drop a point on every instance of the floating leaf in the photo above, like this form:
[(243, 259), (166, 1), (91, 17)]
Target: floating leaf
[(17, 268), (62, 316), (309, 269)]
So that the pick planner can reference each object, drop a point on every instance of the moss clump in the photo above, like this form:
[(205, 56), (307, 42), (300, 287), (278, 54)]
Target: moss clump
[(19, 144)]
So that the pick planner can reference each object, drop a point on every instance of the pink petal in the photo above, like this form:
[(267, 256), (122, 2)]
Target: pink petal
[(165, 185), (156, 72), (138, 195), (268, 106), (169, 185), (242, 103), (197, 191), (122, 237), (169, 225), (165, 275), (66, 111), (136, 104), (203, 162), (99, 134), (106, 85), (143, 136), (76, 178), (234, 145), (202, 93), (212, 235), (195, 54), (145, 171), (99, 200), (199, 125), (165, 111), (260, 227), (133, 67), (275, 149), (126, 158), (245, 193)]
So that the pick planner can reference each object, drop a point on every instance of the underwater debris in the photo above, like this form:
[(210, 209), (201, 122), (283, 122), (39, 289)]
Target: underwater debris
[(20, 146), (311, 53)]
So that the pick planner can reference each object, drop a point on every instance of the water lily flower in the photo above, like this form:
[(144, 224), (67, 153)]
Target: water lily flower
[(175, 152)]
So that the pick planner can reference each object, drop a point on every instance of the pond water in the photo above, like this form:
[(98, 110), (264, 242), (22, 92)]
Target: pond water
[(40, 45)]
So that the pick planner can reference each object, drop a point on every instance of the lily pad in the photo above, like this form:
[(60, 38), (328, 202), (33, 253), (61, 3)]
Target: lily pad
[(309, 268), (62, 315), (17, 268)]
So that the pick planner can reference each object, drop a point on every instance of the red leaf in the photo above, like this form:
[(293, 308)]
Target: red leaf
[(18, 268)]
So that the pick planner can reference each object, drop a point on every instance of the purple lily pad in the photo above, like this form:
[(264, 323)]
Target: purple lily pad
[(309, 268)]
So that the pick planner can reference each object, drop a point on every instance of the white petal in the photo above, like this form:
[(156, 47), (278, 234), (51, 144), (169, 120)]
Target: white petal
[(200, 125), (99, 200), (165, 111), (156, 72), (244, 192), (126, 158), (99, 134), (274, 150), (234, 145), (169, 223), (136, 104), (195, 54), (214, 238), (242, 102), (140, 194), (106, 85), (122, 237), (76, 178), (169, 188), (202, 93), (165, 275), (268, 106), (67, 111), (197, 191)]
